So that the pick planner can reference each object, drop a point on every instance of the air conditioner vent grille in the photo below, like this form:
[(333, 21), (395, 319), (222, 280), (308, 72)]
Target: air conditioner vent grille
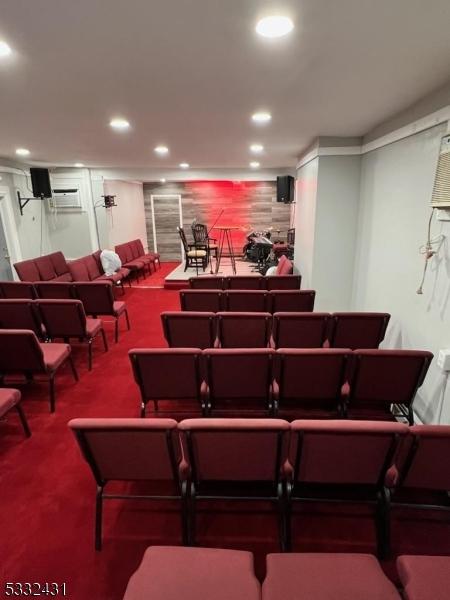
[(441, 189)]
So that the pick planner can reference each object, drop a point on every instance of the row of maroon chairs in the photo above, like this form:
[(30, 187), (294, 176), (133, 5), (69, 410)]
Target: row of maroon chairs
[(173, 572), (97, 298), (248, 300), (382, 464), (191, 329), (246, 282), (333, 381), (51, 320), (134, 257), (22, 353)]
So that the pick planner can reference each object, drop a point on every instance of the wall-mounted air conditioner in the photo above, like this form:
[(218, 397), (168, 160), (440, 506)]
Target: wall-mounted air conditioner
[(441, 189), (66, 198)]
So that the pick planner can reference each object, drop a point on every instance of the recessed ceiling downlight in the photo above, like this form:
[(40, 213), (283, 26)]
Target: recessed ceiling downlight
[(274, 26), (22, 152), (261, 117), (162, 150), (254, 164), (5, 49), (79, 165), (184, 165), (119, 124), (256, 148)]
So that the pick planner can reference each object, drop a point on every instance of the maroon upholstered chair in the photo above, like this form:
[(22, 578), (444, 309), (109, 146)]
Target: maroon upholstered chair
[(66, 319), (21, 352), (310, 379), (9, 399), (201, 300), (424, 577), (237, 377), (236, 459), (299, 330), (247, 301), (189, 329), (283, 282), (118, 277), (345, 461), (136, 266), (145, 450), (55, 290), (358, 330), (166, 374), (382, 378), (44, 268), (153, 256), (209, 573), (98, 299), (326, 577), (17, 289), (136, 254), (245, 282), (292, 300), (21, 314), (207, 283), (27, 270), (244, 330)]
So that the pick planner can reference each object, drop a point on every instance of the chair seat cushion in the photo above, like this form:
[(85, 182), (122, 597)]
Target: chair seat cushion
[(172, 573), (118, 307), (425, 577), (8, 398), (326, 577), (54, 355), (134, 264), (64, 277), (196, 253), (93, 326)]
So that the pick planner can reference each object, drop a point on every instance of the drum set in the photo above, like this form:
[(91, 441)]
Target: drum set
[(259, 248)]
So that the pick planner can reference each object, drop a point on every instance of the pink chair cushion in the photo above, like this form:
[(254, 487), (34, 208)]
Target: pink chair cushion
[(8, 398), (424, 577), (326, 577), (93, 326), (65, 277), (54, 355), (284, 267), (172, 573)]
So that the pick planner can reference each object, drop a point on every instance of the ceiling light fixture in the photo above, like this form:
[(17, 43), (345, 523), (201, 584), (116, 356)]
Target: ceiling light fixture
[(162, 150), (5, 49), (184, 165), (261, 117), (274, 26), (78, 165), (162, 180), (256, 148), (22, 152), (254, 164), (120, 124)]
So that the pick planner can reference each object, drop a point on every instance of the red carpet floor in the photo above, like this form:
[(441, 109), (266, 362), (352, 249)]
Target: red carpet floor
[(47, 491)]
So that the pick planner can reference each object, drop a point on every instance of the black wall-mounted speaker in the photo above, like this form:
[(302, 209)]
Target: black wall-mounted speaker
[(285, 189), (40, 182)]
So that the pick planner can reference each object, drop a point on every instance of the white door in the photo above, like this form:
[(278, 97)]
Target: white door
[(166, 216)]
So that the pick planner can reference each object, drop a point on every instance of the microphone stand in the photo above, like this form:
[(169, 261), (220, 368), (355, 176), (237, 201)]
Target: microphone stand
[(207, 239)]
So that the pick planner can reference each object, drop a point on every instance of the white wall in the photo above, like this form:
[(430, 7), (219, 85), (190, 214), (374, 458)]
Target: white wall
[(305, 220), (396, 186), (126, 221)]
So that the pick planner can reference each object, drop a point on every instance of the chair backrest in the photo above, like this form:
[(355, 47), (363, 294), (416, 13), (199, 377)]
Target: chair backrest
[(20, 314), (239, 373), (45, 267), (92, 267), (189, 329), (283, 282), (78, 269), (129, 449), (134, 249), (358, 330), (245, 282), (201, 300), (387, 376), (291, 236), (183, 238), (199, 233), (344, 452), (167, 373), (55, 290), (59, 263), (139, 246), (62, 318), (207, 283), (300, 330), (20, 352), (120, 250), (292, 300), (313, 375), (244, 330), (247, 300), (425, 464), (27, 270), (97, 297), (17, 289), (235, 449)]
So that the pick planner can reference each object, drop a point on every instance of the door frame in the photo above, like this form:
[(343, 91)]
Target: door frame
[(180, 211), (10, 228)]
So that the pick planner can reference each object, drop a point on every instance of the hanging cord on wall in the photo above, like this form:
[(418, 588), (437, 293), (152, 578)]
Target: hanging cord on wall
[(428, 250), (42, 227)]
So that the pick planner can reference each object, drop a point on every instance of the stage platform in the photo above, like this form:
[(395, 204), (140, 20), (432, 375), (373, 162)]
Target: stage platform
[(178, 278)]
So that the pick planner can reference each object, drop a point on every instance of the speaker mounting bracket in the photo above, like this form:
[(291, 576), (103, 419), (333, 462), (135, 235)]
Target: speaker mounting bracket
[(24, 201)]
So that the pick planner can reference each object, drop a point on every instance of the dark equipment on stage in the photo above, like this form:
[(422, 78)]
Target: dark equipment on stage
[(258, 248), (285, 189)]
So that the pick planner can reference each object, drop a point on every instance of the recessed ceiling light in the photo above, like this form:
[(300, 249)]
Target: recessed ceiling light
[(5, 50), (78, 165), (22, 152), (254, 164), (256, 148), (184, 165), (119, 124), (162, 150), (162, 180), (274, 26), (261, 117)]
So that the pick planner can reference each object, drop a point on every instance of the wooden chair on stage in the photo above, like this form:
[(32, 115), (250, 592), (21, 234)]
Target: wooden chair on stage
[(201, 237), (196, 255)]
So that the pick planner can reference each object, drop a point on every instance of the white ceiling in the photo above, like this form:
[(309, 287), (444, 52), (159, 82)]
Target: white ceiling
[(189, 73)]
